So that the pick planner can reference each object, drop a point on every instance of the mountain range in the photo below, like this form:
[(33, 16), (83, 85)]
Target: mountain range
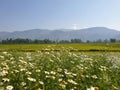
[(93, 33)]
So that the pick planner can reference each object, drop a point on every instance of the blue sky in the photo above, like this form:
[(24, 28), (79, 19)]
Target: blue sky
[(56, 14)]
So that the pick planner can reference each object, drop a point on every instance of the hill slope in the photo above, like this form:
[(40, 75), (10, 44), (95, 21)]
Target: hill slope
[(93, 33)]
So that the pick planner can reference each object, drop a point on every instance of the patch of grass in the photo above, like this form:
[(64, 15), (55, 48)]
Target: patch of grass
[(59, 70), (56, 47)]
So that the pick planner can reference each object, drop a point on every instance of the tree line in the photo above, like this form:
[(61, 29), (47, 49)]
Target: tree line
[(48, 41)]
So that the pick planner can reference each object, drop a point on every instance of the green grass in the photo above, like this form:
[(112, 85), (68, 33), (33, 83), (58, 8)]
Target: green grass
[(72, 47), (59, 70)]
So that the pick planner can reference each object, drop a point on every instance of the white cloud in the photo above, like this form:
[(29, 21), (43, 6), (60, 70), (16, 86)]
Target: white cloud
[(75, 26)]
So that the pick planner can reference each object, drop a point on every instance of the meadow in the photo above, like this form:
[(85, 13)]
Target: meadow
[(115, 47), (60, 67)]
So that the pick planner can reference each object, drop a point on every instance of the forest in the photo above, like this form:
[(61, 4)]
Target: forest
[(48, 41)]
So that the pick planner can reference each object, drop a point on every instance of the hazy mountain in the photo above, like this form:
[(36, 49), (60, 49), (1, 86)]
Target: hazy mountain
[(93, 33)]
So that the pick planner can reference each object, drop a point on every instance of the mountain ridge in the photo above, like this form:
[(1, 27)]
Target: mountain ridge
[(93, 33)]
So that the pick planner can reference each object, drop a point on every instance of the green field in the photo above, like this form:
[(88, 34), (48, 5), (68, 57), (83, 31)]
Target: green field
[(60, 67), (72, 47)]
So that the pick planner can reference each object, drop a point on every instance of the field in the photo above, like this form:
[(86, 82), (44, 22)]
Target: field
[(73, 47), (60, 67)]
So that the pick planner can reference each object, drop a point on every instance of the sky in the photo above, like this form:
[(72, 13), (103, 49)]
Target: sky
[(19, 15)]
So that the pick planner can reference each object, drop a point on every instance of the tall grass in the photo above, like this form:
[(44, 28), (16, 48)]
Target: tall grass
[(60, 70)]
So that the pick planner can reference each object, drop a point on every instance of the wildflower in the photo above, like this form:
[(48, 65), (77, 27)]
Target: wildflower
[(11, 58), (39, 89), (6, 79), (47, 76), (67, 73), (46, 72), (10, 87), (59, 69), (72, 89), (21, 58), (47, 52), (16, 71), (63, 82), (41, 82), (63, 86), (3, 73), (4, 52), (1, 83), (23, 83), (74, 74), (37, 70), (28, 73), (51, 60), (52, 72), (22, 69), (72, 82), (103, 68), (88, 88), (31, 79), (87, 76), (2, 57), (115, 87), (53, 77), (96, 88), (94, 76), (60, 79), (22, 61), (72, 62), (92, 88)]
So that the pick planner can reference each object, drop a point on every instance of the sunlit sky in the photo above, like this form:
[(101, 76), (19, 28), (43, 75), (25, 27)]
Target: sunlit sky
[(16, 15)]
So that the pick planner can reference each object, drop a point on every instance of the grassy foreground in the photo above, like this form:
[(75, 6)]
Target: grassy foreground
[(58, 70)]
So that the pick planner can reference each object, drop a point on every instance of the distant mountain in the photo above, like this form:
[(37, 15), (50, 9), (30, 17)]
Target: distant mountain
[(93, 33)]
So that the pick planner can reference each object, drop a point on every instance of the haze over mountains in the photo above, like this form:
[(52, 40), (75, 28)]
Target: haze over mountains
[(91, 34)]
